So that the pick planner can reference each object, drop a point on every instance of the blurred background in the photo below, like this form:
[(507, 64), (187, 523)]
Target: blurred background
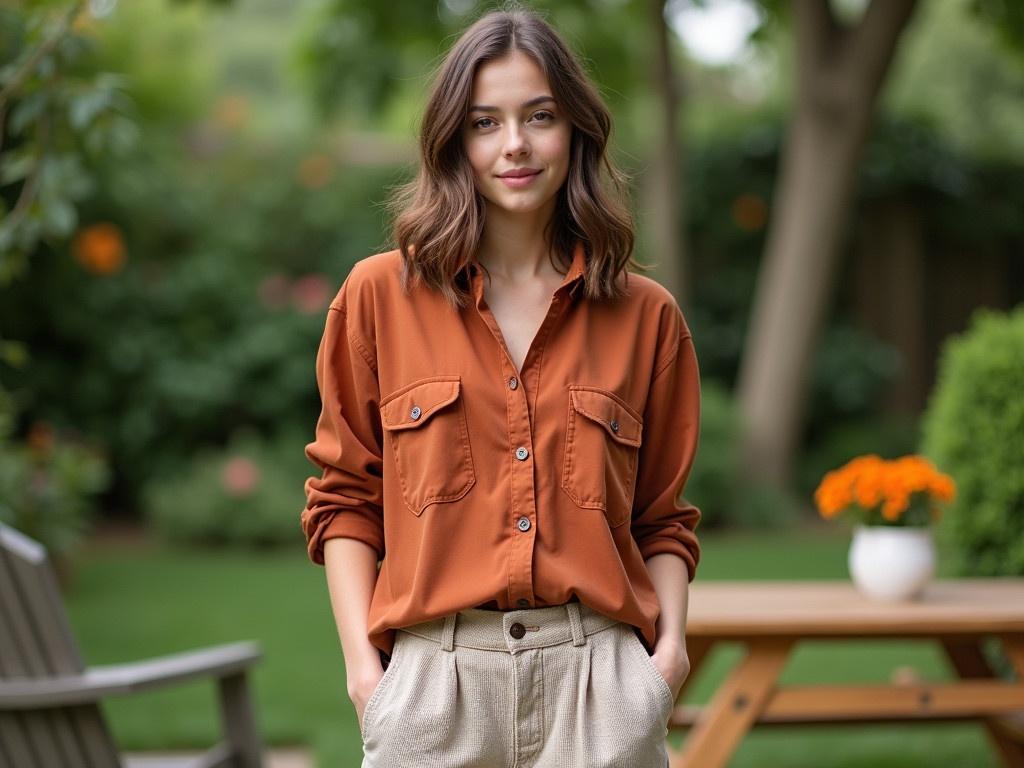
[(834, 191)]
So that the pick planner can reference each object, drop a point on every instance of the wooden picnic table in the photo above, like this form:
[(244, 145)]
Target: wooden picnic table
[(771, 617)]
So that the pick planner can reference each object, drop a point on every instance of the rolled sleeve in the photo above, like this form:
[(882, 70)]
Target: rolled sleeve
[(346, 499), (662, 521)]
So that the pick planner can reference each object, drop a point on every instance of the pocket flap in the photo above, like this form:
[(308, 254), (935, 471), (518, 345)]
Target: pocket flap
[(414, 404), (607, 410)]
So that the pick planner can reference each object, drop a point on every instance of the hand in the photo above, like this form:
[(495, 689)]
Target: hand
[(362, 682), (672, 661)]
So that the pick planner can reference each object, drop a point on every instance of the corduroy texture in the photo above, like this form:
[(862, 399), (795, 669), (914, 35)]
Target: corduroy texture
[(577, 690)]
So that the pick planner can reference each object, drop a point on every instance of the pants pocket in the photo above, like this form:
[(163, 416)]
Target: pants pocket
[(651, 670), (373, 703)]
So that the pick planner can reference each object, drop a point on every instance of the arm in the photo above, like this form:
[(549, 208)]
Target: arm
[(663, 523), (351, 569), (343, 517)]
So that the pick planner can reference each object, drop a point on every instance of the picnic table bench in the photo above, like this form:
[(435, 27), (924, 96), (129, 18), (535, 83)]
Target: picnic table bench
[(771, 617)]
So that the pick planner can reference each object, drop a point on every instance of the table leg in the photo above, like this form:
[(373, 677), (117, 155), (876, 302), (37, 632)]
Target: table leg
[(969, 661), (737, 704)]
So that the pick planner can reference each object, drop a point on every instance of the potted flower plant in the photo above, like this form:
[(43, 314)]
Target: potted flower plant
[(894, 504)]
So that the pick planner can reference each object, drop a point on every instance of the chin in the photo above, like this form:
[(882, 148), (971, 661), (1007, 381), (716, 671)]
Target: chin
[(519, 203)]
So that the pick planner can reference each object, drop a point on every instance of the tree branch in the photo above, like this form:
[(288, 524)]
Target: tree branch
[(22, 73)]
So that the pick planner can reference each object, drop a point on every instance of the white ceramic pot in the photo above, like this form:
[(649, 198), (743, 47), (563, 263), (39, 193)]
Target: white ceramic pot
[(891, 563)]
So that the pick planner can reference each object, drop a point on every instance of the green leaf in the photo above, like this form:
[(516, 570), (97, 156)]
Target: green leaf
[(60, 217), (17, 164), (27, 111)]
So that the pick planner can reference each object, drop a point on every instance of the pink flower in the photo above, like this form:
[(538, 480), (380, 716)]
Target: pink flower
[(311, 293), (240, 476)]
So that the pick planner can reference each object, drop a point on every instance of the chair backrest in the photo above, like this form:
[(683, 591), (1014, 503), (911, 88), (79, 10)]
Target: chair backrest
[(36, 642)]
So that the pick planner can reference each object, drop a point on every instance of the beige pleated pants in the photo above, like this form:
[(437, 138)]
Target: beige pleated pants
[(556, 687)]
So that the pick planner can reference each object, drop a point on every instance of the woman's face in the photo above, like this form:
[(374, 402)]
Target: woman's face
[(515, 124)]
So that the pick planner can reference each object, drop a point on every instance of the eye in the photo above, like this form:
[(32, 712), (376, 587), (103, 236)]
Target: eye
[(477, 124), (545, 114)]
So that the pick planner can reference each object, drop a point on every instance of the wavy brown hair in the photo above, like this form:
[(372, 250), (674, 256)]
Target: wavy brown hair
[(439, 214)]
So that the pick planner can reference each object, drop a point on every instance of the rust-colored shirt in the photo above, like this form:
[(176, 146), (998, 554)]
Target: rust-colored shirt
[(480, 485)]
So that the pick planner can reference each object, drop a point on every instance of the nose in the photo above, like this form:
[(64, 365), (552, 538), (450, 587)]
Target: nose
[(515, 142)]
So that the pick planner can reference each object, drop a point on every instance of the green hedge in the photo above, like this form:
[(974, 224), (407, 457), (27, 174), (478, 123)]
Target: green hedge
[(974, 430)]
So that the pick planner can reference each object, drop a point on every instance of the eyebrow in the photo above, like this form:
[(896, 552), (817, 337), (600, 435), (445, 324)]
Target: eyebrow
[(524, 105)]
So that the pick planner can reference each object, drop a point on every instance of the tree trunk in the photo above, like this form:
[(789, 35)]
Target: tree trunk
[(665, 190), (840, 72)]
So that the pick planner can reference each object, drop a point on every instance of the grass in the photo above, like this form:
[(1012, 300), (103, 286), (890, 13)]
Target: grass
[(135, 599)]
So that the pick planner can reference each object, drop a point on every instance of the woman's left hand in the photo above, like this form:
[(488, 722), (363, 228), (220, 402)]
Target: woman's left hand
[(672, 661)]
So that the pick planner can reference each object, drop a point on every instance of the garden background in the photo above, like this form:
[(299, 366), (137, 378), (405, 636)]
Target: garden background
[(185, 185)]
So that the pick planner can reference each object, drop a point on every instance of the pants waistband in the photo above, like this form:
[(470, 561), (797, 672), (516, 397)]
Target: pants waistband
[(513, 630)]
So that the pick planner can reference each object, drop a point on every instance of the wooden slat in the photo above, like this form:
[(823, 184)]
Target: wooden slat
[(238, 720), (15, 740), (881, 703), (41, 644), (845, 702), (743, 609), (46, 628)]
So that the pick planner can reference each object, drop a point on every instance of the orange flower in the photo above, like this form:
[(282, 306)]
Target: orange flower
[(871, 483), (99, 248), (749, 212)]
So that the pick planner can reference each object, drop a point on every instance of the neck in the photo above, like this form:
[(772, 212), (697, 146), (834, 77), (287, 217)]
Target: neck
[(512, 245)]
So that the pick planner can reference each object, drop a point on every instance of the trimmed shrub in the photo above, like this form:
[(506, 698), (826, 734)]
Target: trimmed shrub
[(973, 429)]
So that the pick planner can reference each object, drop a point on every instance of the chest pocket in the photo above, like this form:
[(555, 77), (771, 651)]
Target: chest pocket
[(602, 446), (425, 423)]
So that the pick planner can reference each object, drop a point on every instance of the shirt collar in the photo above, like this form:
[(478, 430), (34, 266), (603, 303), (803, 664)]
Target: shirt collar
[(572, 282)]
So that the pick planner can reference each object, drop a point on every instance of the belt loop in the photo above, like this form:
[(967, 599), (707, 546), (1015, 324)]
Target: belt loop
[(448, 632), (576, 623)]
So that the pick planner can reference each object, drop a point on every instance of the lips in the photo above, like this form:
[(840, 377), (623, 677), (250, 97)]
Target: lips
[(518, 173)]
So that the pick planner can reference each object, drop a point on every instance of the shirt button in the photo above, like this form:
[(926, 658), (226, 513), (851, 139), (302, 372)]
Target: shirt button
[(614, 425), (522, 453), (523, 523), (513, 383), (522, 602), (517, 630), (415, 412)]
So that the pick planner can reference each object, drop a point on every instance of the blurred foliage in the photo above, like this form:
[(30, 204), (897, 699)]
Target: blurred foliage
[(725, 497), (48, 486), (239, 170), (240, 495), (57, 111), (1007, 17), (973, 430)]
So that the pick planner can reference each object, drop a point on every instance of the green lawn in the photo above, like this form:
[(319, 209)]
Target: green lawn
[(132, 601)]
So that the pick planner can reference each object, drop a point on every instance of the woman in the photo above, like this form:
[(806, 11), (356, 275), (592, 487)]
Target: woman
[(507, 424)]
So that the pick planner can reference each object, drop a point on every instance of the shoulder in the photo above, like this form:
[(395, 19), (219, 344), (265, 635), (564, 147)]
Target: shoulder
[(369, 278), (656, 304), (365, 292)]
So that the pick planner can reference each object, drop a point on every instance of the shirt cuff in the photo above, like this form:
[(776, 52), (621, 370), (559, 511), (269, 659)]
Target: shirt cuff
[(349, 526)]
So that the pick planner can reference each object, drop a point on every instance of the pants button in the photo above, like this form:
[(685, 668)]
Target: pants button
[(517, 630)]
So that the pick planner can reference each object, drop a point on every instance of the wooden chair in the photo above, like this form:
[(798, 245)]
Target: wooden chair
[(50, 715)]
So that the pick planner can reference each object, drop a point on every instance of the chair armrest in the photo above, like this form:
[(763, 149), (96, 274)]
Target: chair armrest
[(99, 682)]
